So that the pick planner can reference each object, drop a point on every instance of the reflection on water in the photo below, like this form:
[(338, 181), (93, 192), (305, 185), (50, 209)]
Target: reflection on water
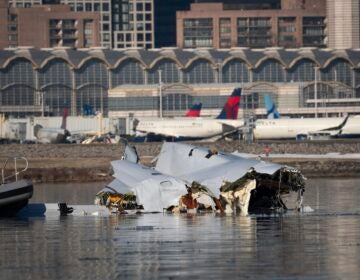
[(324, 244)]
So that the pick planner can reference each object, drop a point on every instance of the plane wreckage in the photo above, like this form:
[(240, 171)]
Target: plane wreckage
[(194, 179)]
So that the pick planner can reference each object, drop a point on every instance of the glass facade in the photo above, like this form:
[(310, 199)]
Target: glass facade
[(198, 33), (235, 71), (199, 72), (254, 32), (302, 71), (81, 79), (287, 32), (314, 33), (270, 70), (225, 32)]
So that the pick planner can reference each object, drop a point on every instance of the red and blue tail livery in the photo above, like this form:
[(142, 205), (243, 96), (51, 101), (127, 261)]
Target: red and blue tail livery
[(231, 107), (195, 110)]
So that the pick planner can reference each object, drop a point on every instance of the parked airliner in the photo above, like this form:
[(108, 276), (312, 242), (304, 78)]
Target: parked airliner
[(52, 135), (304, 128), (194, 111), (195, 128)]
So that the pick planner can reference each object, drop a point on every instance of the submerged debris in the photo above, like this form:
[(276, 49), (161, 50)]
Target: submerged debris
[(192, 179), (117, 202)]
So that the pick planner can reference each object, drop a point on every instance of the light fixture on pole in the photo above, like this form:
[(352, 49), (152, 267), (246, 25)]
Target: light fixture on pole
[(42, 103), (315, 92)]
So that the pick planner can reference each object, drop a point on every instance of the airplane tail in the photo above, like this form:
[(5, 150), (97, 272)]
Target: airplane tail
[(65, 114), (194, 111), (271, 111), (37, 129), (231, 107)]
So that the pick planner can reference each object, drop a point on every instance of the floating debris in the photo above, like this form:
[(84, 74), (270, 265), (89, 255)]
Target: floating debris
[(192, 179)]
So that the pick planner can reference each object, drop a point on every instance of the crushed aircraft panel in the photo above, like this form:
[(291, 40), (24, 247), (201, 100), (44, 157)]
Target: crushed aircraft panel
[(189, 178)]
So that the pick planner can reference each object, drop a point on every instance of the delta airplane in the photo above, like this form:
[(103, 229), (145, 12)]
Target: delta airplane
[(304, 128), (195, 128), (52, 135), (194, 111)]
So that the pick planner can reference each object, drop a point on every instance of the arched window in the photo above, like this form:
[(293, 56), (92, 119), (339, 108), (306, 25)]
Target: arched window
[(128, 72), (235, 71), (357, 77), (324, 93), (169, 72), (199, 72), (56, 71), (19, 71), (57, 97), (302, 71), (93, 71), (338, 70), (269, 71), (17, 95), (94, 96)]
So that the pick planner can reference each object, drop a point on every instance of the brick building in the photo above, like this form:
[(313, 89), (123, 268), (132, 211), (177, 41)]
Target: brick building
[(57, 26), (296, 24)]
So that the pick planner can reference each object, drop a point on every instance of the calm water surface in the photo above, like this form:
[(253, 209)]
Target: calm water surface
[(324, 244)]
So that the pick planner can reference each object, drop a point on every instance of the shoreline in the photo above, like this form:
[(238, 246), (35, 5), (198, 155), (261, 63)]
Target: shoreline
[(91, 163)]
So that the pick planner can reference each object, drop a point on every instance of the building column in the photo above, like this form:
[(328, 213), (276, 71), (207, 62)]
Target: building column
[(181, 76), (146, 76), (109, 78)]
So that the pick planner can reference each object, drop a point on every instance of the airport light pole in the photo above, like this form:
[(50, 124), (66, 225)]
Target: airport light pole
[(315, 92), (42, 103), (160, 94)]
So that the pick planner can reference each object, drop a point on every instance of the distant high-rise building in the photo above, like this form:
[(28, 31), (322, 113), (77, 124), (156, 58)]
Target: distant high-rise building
[(56, 27), (133, 23), (343, 23), (4, 40), (123, 23), (296, 24), (245, 4), (103, 7), (98, 6)]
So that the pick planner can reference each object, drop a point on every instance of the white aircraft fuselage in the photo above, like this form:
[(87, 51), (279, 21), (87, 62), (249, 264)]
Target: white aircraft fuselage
[(51, 135), (196, 128), (291, 128)]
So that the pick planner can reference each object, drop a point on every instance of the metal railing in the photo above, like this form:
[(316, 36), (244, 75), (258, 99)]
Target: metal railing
[(16, 172)]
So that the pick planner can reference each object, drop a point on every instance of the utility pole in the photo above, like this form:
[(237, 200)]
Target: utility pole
[(160, 94), (315, 93)]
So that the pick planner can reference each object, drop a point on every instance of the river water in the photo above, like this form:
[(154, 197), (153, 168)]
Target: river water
[(323, 244)]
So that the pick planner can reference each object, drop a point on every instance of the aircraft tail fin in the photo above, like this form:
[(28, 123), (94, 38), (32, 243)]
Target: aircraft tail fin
[(271, 111), (65, 114), (195, 110), (231, 107), (37, 129)]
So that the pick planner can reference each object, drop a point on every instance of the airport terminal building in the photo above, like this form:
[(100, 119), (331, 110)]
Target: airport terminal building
[(137, 82)]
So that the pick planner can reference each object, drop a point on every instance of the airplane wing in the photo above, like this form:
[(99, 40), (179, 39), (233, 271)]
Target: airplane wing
[(327, 132), (338, 127), (226, 128)]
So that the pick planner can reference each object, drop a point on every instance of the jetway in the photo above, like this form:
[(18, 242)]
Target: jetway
[(23, 128)]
